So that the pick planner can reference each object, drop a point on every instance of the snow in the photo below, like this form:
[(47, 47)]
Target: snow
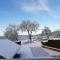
[(30, 50), (25, 52), (51, 52), (8, 48), (34, 50), (39, 52), (33, 44), (54, 38)]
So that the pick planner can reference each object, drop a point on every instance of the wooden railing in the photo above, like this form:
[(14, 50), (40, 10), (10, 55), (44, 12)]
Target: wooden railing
[(40, 58)]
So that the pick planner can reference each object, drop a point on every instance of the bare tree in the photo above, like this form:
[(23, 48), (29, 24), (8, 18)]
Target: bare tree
[(46, 31), (27, 25), (11, 32)]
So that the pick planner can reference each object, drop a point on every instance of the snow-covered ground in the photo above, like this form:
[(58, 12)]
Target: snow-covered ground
[(34, 49), (26, 50), (32, 44)]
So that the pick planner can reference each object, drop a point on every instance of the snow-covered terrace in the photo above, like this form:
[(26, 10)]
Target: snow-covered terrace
[(27, 51), (34, 49)]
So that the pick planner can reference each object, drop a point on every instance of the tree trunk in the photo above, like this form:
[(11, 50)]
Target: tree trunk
[(29, 35)]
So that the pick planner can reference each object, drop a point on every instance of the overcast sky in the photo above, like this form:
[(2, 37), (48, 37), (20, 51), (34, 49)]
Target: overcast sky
[(46, 12)]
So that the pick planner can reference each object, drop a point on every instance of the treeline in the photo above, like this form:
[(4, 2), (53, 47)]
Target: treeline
[(47, 33), (12, 31)]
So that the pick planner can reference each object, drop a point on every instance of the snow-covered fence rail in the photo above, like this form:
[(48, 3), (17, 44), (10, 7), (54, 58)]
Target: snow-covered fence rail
[(40, 58)]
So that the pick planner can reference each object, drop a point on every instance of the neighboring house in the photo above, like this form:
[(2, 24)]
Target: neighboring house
[(56, 34), (8, 48)]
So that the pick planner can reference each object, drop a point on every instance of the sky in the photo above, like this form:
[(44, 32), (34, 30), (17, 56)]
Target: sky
[(45, 12)]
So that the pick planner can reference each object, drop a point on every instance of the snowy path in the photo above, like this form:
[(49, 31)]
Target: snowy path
[(29, 50), (39, 52), (34, 49), (25, 52), (25, 49)]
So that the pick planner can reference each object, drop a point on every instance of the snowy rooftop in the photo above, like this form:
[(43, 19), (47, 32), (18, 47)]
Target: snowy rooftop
[(8, 48)]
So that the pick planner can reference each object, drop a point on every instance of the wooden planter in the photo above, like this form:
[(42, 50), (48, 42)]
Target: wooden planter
[(52, 44)]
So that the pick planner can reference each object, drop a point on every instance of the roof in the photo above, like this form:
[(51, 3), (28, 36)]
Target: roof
[(8, 48)]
